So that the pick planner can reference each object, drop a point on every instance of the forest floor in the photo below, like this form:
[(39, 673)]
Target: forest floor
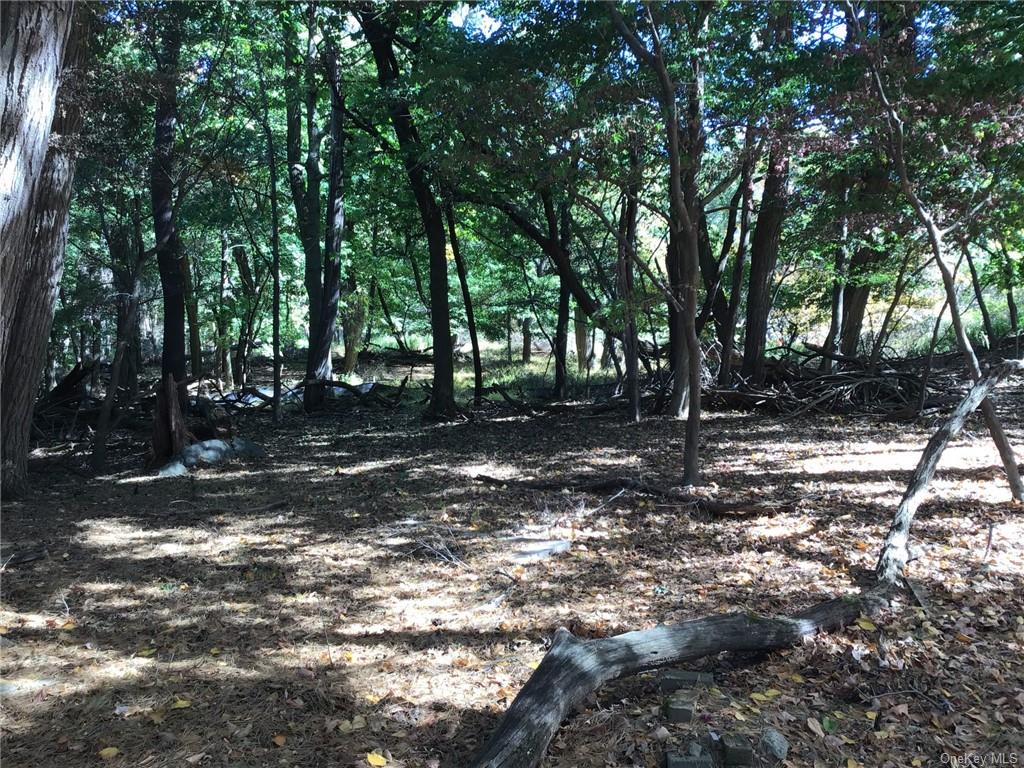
[(357, 595)]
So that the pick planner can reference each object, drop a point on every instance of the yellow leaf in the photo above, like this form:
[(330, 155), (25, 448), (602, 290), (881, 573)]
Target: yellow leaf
[(3, 630), (68, 625), (797, 678), (771, 693), (109, 753), (871, 716), (851, 763), (917, 761), (758, 697), (280, 739), (145, 651), (216, 651), (181, 704), (866, 623), (376, 758), (739, 715)]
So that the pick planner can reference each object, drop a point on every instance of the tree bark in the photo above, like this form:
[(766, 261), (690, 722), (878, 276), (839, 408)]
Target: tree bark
[(626, 289), (561, 388), (41, 43), (835, 329), (582, 347), (527, 341), (986, 318)]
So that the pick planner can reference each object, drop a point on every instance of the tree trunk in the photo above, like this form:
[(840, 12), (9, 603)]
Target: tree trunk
[(223, 341), (195, 344), (41, 44), (736, 287), (986, 318), (561, 388), (467, 300), (318, 359), (764, 253), (381, 41), (573, 669), (625, 286), (835, 329), (527, 341), (894, 555), (885, 330), (582, 347), (168, 246)]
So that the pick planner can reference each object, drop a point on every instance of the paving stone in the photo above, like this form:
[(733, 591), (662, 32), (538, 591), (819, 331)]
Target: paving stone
[(679, 708), (674, 679), (737, 751), (677, 760)]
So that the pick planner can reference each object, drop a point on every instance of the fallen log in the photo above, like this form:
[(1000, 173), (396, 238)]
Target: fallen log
[(573, 669)]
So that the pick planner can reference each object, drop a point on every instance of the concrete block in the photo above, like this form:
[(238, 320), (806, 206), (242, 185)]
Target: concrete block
[(678, 760), (674, 679), (680, 708), (737, 751)]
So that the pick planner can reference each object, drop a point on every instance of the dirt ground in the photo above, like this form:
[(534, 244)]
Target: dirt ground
[(356, 596)]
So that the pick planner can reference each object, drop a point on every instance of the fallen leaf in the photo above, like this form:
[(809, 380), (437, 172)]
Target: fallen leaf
[(797, 678), (376, 758), (145, 652), (815, 727), (280, 739), (68, 625), (871, 716), (216, 651), (109, 753), (3, 630), (865, 623), (181, 704)]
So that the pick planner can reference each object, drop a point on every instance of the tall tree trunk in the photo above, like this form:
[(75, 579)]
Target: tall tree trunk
[(195, 344), (582, 347), (561, 388), (885, 330), (835, 329), (467, 300), (1011, 303), (739, 264), (168, 245), (381, 41), (42, 45), (318, 360), (986, 318), (625, 285), (764, 253), (527, 340), (223, 341)]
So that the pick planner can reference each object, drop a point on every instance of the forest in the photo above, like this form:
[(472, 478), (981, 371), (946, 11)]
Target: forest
[(512, 383)]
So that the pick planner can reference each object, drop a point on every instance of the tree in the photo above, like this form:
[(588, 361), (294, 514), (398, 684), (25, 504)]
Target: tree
[(44, 45)]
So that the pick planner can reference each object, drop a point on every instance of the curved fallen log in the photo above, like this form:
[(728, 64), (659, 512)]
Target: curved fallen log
[(573, 668)]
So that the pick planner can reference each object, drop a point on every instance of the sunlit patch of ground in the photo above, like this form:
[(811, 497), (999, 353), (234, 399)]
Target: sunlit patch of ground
[(360, 591)]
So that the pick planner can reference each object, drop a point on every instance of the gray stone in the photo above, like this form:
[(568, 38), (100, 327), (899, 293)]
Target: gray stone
[(775, 744), (677, 760), (674, 679), (680, 708), (695, 749), (737, 750)]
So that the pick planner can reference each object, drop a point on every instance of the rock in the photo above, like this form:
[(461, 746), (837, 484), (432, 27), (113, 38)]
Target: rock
[(737, 750), (674, 679), (206, 452), (774, 743)]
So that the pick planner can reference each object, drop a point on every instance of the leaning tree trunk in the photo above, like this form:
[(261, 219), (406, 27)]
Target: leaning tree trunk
[(979, 295), (39, 49), (894, 554)]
